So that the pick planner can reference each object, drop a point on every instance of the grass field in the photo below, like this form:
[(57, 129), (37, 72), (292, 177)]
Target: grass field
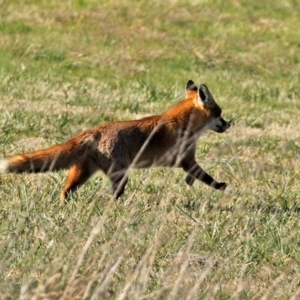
[(66, 66)]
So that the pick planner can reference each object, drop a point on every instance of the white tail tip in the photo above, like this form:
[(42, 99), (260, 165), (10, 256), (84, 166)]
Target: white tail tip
[(3, 166)]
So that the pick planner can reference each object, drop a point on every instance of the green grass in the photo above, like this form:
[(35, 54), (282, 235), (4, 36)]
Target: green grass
[(70, 65)]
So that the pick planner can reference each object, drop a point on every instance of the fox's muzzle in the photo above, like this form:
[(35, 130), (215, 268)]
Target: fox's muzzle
[(219, 125)]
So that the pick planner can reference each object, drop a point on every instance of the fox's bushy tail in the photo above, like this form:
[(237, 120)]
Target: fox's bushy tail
[(61, 156)]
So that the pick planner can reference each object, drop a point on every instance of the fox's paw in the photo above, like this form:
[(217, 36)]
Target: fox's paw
[(189, 180), (221, 186)]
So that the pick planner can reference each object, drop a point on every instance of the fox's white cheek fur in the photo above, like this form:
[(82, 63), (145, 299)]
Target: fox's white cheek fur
[(3, 166)]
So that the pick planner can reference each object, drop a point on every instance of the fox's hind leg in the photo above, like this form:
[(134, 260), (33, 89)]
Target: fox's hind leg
[(78, 175), (119, 182), (119, 179)]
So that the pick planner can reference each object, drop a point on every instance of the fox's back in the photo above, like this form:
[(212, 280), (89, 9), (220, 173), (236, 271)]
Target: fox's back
[(150, 140), (124, 140)]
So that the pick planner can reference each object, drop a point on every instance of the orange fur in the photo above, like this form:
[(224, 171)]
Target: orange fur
[(168, 140)]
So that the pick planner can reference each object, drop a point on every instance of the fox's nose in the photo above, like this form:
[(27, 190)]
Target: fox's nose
[(225, 124)]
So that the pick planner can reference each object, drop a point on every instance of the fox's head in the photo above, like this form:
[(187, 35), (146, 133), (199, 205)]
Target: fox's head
[(207, 102)]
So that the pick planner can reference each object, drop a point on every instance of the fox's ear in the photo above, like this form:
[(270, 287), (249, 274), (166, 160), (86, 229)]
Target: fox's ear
[(190, 86), (205, 97)]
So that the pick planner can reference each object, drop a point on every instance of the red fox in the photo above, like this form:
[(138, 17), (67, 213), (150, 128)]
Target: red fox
[(166, 140)]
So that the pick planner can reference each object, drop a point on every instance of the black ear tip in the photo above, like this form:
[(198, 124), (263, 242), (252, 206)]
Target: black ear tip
[(190, 82), (190, 86), (203, 86)]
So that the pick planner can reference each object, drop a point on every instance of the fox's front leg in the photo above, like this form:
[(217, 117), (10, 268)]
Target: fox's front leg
[(196, 172), (189, 179)]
